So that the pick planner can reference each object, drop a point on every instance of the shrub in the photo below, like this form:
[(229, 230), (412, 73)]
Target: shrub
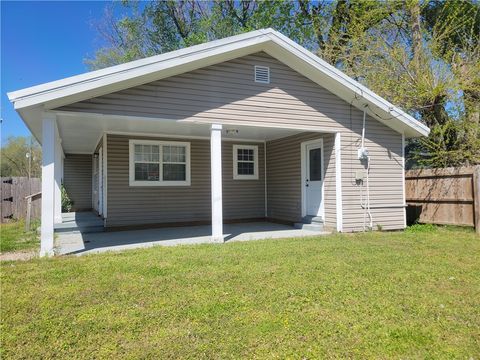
[(67, 203)]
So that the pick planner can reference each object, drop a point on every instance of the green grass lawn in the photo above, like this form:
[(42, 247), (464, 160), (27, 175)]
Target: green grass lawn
[(401, 295), (13, 237)]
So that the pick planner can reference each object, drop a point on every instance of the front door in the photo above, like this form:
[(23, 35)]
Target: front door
[(313, 181)]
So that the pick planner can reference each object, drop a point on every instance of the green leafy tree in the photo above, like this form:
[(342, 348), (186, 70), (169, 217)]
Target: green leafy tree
[(21, 156), (421, 55)]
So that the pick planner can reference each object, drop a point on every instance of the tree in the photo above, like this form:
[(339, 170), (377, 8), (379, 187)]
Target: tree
[(21, 156), (421, 55)]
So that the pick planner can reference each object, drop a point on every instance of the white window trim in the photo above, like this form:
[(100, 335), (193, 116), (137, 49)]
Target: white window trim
[(255, 162), (160, 182)]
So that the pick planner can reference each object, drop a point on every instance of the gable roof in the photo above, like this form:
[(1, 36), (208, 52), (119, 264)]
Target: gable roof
[(96, 83)]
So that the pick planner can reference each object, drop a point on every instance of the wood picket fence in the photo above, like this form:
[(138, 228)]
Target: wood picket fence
[(444, 196), (14, 193)]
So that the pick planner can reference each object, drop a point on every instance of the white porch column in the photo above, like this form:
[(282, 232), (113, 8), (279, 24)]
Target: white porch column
[(48, 183), (338, 181), (216, 181), (58, 179)]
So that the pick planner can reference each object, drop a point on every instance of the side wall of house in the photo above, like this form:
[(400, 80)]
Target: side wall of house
[(385, 176), (77, 179), (226, 93), (136, 205)]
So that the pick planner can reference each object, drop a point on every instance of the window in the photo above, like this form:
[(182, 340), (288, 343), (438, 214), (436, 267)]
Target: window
[(159, 163), (315, 165), (245, 162)]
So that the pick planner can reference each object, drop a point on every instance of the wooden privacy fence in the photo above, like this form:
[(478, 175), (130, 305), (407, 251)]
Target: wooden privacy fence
[(14, 191), (444, 196)]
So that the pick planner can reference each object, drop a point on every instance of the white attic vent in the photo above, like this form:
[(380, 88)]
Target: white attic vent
[(262, 74)]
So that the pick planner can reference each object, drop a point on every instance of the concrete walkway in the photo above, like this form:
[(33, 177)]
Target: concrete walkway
[(78, 243)]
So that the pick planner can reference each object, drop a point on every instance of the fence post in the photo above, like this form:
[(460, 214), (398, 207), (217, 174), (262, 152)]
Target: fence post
[(476, 198), (29, 213)]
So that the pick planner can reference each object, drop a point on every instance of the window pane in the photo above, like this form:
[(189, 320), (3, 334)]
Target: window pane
[(147, 153), (315, 164), (245, 154), (167, 156), (173, 153), (181, 153), (146, 172), (138, 153), (245, 168), (174, 172), (155, 153)]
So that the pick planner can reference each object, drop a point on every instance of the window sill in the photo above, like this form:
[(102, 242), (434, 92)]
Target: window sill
[(158, 183), (245, 177)]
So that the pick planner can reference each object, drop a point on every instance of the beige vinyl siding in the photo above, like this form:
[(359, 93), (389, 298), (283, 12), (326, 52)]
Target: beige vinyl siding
[(170, 204), (284, 180), (77, 179), (226, 93), (386, 176), (242, 199), (330, 201)]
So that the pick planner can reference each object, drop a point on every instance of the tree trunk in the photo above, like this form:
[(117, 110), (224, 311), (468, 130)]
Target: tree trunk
[(415, 28)]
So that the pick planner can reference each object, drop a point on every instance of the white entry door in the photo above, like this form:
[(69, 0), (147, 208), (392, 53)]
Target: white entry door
[(313, 178)]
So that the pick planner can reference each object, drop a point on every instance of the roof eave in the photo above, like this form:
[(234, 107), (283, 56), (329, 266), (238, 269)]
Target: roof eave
[(96, 83), (46, 92)]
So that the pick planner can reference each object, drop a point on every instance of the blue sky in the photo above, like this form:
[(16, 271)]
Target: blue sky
[(41, 42)]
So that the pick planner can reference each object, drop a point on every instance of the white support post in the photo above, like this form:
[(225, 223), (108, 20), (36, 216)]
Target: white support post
[(403, 183), (216, 182), (104, 178), (338, 181), (58, 180), (48, 184)]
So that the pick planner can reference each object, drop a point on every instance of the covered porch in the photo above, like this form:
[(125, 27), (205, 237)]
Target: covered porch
[(81, 242), (266, 206)]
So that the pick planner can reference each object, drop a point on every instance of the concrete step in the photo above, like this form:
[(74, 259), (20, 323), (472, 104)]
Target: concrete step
[(310, 227), (312, 219), (80, 222)]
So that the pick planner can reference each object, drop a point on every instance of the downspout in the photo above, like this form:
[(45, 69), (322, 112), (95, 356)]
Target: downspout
[(265, 175)]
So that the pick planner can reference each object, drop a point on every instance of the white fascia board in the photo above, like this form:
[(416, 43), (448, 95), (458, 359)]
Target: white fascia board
[(138, 72), (348, 82)]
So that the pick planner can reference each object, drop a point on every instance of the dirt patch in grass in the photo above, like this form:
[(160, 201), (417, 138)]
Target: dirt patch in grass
[(18, 255)]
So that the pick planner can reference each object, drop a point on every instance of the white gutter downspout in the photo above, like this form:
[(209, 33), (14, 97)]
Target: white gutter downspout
[(265, 175)]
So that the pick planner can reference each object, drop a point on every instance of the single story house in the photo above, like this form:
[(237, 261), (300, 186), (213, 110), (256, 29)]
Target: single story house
[(253, 126)]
